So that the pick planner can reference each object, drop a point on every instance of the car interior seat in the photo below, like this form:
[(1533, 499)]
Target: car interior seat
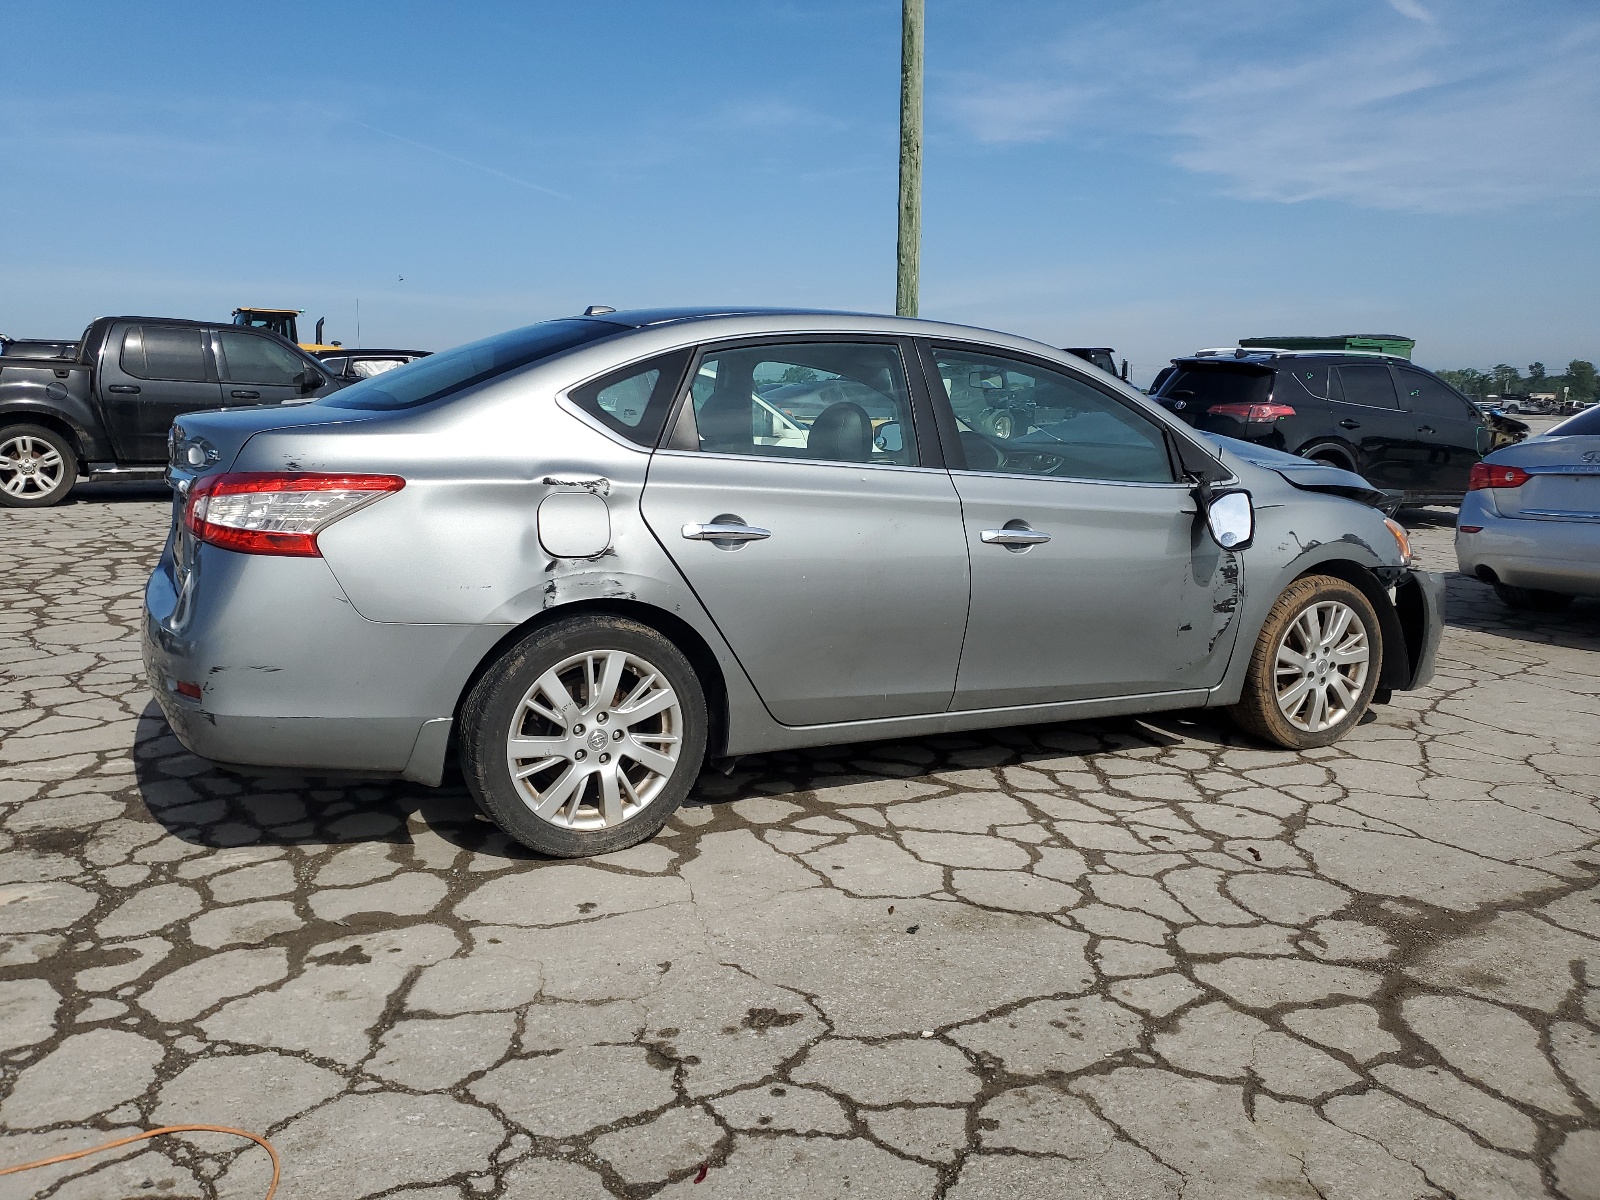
[(842, 432)]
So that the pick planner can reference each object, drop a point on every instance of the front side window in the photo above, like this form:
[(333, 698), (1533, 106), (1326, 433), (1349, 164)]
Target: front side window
[(634, 401), (247, 358), (164, 352), (1020, 418), (1368, 384), (827, 401), (453, 371), (1426, 395)]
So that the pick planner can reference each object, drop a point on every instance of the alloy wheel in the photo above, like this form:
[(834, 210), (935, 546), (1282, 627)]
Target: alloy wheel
[(1321, 667), (30, 467), (595, 740)]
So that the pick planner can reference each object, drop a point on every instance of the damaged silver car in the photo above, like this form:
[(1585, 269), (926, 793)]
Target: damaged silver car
[(583, 556)]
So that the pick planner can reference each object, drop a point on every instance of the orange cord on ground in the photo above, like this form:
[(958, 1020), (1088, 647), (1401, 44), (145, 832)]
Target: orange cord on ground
[(139, 1137)]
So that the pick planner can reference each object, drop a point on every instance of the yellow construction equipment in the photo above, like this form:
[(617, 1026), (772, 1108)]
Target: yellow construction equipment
[(282, 322)]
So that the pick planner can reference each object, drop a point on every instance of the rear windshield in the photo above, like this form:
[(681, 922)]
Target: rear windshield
[(1585, 424), (1218, 386), (444, 374)]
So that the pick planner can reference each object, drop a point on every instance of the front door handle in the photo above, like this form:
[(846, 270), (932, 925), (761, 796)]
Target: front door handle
[(714, 532), (124, 389), (1014, 537), (1347, 423), (240, 394), (1424, 428)]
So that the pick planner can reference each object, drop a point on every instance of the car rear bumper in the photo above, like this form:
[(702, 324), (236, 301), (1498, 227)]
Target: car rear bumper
[(290, 676), (1554, 556)]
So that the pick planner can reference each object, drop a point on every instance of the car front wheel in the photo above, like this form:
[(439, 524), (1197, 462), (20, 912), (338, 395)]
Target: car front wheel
[(585, 736), (1315, 665)]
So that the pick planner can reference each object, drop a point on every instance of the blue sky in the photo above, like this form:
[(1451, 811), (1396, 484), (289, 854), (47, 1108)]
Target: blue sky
[(1155, 175)]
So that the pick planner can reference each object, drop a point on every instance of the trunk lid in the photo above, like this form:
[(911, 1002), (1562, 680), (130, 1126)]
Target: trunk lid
[(1565, 483)]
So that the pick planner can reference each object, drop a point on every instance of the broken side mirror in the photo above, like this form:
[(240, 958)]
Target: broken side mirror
[(1231, 517)]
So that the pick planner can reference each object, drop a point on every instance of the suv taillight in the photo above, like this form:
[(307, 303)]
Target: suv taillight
[(1251, 412), (264, 512), (1488, 475)]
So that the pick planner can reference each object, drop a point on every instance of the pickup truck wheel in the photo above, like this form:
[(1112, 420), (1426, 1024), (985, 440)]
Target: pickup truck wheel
[(1315, 665), (585, 736), (37, 467)]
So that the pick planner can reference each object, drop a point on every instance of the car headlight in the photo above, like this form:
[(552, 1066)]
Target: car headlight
[(1402, 540)]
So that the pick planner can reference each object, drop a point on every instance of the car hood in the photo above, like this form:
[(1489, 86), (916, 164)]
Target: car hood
[(1306, 474)]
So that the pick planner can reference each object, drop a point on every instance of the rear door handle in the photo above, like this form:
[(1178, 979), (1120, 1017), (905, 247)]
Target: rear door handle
[(1014, 537), (1347, 423), (124, 389), (244, 395), (725, 533), (1424, 428)]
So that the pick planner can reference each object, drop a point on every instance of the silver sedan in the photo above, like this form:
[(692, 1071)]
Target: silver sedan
[(1531, 523), (584, 556)]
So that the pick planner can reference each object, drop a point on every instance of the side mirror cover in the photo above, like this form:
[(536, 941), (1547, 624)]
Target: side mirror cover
[(1231, 518)]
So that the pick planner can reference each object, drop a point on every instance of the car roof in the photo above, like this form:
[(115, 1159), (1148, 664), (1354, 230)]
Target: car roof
[(369, 351), (1266, 357), (759, 322), (638, 318)]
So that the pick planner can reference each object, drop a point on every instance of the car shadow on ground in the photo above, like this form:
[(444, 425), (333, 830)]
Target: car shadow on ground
[(203, 804), (104, 493), (1472, 605)]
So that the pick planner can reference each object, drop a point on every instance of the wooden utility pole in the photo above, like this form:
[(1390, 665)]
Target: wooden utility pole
[(907, 260)]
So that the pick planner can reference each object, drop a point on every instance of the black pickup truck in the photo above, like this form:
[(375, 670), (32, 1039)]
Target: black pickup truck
[(102, 411)]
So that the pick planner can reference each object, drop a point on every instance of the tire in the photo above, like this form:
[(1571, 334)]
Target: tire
[(603, 781), (1531, 599), (1333, 456), (38, 466), (1307, 620)]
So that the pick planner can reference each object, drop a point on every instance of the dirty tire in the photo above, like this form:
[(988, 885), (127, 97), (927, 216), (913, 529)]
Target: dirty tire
[(1258, 711), (1531, 599), (38, 466), (574, 758)]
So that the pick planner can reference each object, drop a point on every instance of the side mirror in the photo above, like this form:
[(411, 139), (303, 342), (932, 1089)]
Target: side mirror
[(888, 438), (308, 381), (1231, 517)]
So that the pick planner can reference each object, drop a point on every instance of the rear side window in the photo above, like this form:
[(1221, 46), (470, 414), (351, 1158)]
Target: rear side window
[(1368, 384), (247, 358), (164, 352), (1585, 424), (1203, 387), (452, 371), (634, 400), (1295, 383), (1426, 395)]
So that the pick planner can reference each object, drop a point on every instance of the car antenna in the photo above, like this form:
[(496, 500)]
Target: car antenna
[(597, 310)]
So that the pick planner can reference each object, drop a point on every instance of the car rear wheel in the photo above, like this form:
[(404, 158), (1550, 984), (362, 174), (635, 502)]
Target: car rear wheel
[(37, 467), (585, 736), (1531, 599), (1315, 665)]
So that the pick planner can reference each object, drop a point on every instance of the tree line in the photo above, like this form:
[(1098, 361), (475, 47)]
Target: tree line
[(1502, 379)]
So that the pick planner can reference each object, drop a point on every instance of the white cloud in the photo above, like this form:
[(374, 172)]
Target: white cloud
[(1489, 108), (1412, 9)]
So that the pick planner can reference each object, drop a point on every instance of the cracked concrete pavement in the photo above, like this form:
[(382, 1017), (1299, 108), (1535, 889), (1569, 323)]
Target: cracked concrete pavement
[(1131, 958)]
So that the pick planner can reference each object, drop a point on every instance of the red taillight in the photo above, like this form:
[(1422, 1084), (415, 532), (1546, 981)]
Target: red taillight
[(1251, 412), (1492, 475), (264, 512)]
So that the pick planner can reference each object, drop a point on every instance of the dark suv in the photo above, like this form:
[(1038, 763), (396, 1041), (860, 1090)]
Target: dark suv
[(1403, 428)]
